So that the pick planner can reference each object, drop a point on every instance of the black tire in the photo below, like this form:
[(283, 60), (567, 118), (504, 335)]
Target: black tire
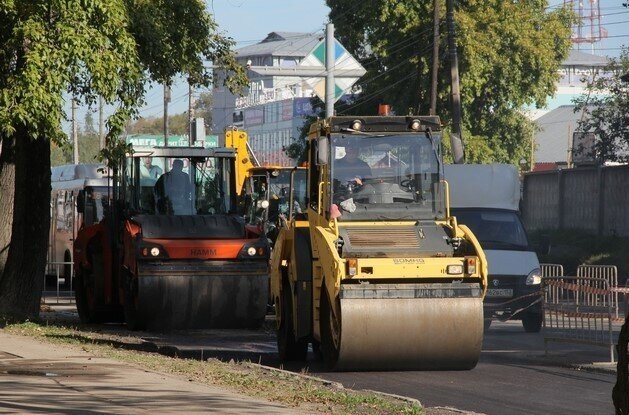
[(532, 322), (486, 323), (288, 347), (88, 310), (620, 392), (131, 316), (329, 347), (316, 349), (80, 297)]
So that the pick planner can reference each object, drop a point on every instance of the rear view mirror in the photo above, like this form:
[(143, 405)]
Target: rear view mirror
[(322, 151)]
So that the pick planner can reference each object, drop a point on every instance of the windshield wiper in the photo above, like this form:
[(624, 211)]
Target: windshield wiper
[(358, 132)]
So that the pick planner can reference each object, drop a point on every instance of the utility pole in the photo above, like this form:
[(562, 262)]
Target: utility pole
[(435, 58), (329, 69), (330, 72), (166, 101), (101, 123), (75, 133), (456, 137), (190, 115)]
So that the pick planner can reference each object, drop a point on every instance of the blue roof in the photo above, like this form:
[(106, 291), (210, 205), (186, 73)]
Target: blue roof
[(282, 44)]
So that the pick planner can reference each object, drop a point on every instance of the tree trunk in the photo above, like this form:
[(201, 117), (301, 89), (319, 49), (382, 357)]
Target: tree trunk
[(24, 223), (7, 192)]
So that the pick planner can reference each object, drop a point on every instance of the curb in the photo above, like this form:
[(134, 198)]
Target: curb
[(336, 385), (593, 368), (173, 351), (406, 399)]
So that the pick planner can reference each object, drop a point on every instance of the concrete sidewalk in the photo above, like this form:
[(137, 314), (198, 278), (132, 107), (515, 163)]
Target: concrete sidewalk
[(44, 378)]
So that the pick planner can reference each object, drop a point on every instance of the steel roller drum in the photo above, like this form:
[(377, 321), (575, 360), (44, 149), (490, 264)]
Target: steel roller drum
[(197, 296), (405, 329)]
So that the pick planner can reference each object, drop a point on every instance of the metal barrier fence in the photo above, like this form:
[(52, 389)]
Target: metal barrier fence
[(551, 270), (57, 269), (578, 310), (606, 272)]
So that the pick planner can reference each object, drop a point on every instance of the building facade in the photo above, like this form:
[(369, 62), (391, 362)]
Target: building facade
[(273, 108), (558, 122)]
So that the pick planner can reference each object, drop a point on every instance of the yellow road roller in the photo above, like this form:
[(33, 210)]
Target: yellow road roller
[(370, 267)]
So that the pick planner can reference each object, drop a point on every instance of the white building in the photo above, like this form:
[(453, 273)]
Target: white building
[(273, 108), (558, 121)]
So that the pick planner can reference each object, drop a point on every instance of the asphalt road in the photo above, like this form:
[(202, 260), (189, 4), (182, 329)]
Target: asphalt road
[(514, 375)]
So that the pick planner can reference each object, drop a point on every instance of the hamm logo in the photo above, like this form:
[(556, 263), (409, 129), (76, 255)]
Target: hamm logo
[(202, 252)]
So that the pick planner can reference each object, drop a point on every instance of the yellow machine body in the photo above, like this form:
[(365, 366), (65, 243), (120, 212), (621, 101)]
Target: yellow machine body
[(393, 289), (238, 140)]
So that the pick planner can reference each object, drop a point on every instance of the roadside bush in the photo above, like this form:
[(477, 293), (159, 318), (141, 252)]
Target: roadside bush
[(572, 247)]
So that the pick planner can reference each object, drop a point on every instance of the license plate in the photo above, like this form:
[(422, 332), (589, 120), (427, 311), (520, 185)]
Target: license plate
[(500, 292)]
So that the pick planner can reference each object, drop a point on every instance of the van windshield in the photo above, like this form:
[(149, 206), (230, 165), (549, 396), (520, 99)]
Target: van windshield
[(495, 229)]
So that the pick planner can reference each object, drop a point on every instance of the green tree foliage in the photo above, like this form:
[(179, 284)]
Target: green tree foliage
[(82, 48), (177, 125), (509, 53), (297, 150), (605, 106), (203, 109)]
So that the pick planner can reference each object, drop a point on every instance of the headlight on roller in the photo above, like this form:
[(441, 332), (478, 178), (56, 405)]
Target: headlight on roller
[(454, 269), (352, 267), (534, 277), (470, 265), (150, 250), (255, 250)]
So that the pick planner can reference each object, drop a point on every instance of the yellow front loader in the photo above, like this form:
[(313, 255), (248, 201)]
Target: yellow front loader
[(371, 268)]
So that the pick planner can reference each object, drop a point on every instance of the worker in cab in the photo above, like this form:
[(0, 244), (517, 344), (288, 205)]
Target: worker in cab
[(150, 170), (350, 169), (173, 190)]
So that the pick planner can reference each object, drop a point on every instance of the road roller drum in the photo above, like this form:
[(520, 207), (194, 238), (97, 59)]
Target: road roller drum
[(409, 327)]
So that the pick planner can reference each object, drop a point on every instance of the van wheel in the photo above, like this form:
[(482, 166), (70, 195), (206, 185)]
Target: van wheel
[(532, 322), (486, 323), (288, 348)]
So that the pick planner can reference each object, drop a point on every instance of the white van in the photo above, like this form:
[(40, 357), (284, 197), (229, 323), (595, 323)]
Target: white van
[(486, 198)]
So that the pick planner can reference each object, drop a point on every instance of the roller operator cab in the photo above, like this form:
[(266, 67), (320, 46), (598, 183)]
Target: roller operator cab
[(267, 195), (486, 198), (173, 251), (374, 271), (263, 190)]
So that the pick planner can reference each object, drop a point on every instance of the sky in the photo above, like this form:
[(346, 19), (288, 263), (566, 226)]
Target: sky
[(249, 21), (246, 22)]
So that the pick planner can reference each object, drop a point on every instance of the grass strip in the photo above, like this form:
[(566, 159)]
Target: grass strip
[(241, 377)]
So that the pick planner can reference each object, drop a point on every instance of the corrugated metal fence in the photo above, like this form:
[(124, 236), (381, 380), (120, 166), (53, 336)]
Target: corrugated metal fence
[(590, 198)]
